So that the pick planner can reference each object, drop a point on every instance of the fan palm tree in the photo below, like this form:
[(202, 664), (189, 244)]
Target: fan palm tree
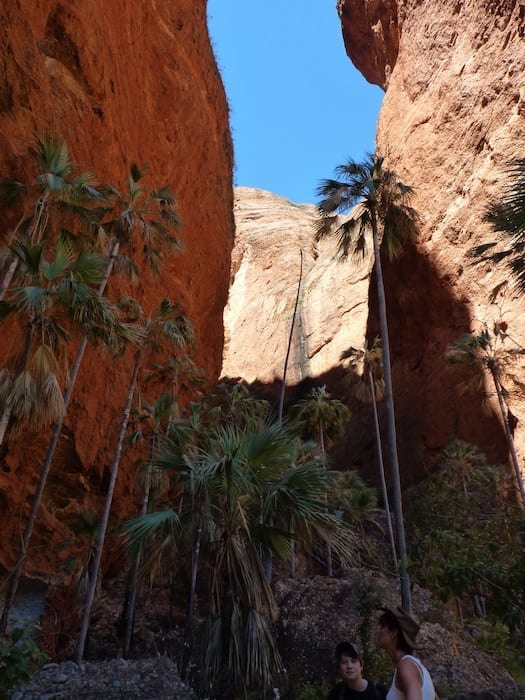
[(152, 217), (507, 218), (244, 488), (370, 387), (485, 351), (379, 203), (55, 200), (323, 417), (169, 325)]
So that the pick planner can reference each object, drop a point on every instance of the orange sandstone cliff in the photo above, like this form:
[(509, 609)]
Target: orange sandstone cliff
[(121, 83)]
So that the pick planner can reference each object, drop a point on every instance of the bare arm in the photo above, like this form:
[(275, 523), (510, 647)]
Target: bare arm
[(409, 680)]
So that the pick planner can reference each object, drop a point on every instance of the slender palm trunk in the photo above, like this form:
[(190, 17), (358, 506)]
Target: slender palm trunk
[(86, 615), (8, 277), (382, 470), (14, 578), (129, 613), (391, 422), (189, 642), (508, 433), (269, 558), (329, 563), (4, 422), (290, 338)]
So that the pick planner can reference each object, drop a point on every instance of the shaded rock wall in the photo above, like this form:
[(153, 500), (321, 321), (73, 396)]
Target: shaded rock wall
[(121, 82), (452, 117), (337, 310)]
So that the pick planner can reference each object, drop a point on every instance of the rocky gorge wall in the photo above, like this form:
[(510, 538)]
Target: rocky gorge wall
[(121, 83), (451, 119)]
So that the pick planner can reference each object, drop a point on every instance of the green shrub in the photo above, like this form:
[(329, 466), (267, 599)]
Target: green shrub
[(19, 658)]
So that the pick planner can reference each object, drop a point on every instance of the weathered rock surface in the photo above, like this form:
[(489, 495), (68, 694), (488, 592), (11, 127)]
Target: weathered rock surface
[(121, 83), (271, 234), (452, 118)]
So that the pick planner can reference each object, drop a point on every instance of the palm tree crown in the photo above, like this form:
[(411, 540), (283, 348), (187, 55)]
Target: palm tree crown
[(368, 192), (507, 218)]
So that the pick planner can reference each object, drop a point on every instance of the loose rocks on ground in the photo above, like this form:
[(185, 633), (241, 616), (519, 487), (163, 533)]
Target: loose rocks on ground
[(118, 679)]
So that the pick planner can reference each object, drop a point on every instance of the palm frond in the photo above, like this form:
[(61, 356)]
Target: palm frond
[(23, 395), (10, 191), (52, 155), (43, 363), (137, 531), (89, 268), (50, 405), (63, 259)]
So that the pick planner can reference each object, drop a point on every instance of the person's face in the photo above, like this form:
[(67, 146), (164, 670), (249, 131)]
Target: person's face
[(350, 669), (385, 637)]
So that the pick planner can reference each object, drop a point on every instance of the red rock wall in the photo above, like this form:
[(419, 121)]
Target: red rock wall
[(453, 116), (121, 82)]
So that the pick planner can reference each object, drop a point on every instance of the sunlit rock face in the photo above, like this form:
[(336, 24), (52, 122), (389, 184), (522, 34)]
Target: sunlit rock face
[(121, 82), (453, 116), (332, 306)]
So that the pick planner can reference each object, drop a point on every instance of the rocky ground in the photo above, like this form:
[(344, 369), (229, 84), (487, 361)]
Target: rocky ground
[(461, 671), (149, 679), (118, 679)]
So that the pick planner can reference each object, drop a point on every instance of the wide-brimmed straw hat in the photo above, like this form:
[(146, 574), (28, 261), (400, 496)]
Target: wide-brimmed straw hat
[(408, 625)]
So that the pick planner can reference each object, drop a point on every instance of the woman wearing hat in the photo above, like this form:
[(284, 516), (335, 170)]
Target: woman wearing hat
[(396, 635)]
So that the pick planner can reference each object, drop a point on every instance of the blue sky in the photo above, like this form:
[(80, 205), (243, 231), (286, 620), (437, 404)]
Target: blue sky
[(298, 105)]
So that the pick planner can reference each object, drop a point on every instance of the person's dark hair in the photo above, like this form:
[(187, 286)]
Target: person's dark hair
[(348, 649), (388, 619)]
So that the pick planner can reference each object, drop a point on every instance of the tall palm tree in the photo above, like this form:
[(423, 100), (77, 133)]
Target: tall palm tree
[(507, 218), (486, 351), (151, 217), (379, 203), (169, 325), (370, 387)]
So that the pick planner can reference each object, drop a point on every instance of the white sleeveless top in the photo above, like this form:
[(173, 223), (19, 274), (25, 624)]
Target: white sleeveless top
[(427, 688)]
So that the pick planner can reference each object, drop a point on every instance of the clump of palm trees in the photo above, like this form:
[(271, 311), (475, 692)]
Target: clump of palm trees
[(244, 485), (223, 483), (56, 264), (224, 486)]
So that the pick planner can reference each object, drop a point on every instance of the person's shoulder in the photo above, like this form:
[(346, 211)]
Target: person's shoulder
[(378, 690), (337, 692)]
